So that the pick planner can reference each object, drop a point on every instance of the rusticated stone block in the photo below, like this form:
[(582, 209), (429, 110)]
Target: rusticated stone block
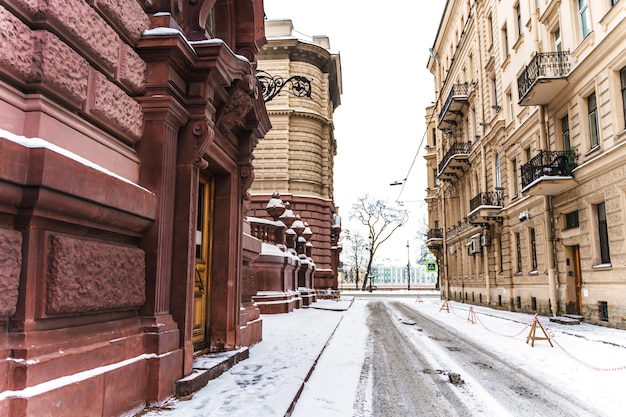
[(59, 67), (132, 70), (86, 276), (128, 16), (10, 266), (79, 21), (110, 102), (15, 40)]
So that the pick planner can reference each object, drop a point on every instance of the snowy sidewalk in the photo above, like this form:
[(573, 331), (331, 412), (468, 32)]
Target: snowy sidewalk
[(588, 360), (271, 379)]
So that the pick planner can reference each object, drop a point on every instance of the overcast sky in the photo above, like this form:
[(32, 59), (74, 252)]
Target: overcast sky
[(380, 124)]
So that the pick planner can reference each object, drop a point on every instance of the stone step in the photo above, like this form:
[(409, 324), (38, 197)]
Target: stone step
[(207, 367), (564, 320), (575, 316)]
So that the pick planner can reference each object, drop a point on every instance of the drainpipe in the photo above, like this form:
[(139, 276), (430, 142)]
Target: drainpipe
[(548, 222), (445, 245), (484, 248)]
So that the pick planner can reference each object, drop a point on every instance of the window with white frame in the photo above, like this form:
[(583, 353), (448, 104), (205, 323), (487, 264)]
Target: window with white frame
[(533, 248), (592, 113), (584, 17), (505, 41), (518, 251), (565, 132), (518, 19), (603, 233), (509, 101)]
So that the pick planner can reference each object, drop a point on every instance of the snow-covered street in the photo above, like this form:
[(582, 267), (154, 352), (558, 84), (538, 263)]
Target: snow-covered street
[(478, 360)]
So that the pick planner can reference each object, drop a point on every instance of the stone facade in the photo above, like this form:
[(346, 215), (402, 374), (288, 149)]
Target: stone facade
[(525, 198), (296, 157), (110, 113)]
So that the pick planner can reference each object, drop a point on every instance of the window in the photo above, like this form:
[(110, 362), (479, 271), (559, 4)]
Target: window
[(558, 43), (571, 219), (614, 2), (592, 110), (505, 41), (494, 95), (518, 19), (533, 249), (509, 101), (585, 19), (434, 137), (436, 180), (497, 172), (603, 234), (518, 250), (622, 77), (565, 133), (514, 177)]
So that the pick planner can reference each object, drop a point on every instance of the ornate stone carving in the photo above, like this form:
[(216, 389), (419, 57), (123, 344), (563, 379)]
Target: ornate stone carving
[(202, 138), (247, 176), (87, 276), (234, 112), (10, 266)]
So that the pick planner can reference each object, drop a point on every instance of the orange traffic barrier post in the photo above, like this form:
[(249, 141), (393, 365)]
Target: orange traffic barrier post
[(471, 317), (533, 330), (445, 306)]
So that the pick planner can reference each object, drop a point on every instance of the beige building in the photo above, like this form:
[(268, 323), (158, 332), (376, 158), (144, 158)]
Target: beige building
[(296, 157), (526, 151)]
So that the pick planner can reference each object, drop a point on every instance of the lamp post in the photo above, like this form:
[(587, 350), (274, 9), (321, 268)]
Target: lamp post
[(369, 270), (408, 266)]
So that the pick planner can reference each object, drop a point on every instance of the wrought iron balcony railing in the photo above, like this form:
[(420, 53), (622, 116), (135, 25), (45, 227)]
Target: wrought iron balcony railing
[(543, 64), (490, 198), (549, 163), (434, 234), (457, 148), (457, 91)]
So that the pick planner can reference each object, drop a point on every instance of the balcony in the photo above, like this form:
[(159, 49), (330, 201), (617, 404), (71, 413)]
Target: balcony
[(457, 99), (485, 208), (434, 239), (549, 173), (544, 77), (453, 164)]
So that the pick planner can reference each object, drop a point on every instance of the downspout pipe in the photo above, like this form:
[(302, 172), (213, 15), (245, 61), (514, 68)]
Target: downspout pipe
[(548, 224)]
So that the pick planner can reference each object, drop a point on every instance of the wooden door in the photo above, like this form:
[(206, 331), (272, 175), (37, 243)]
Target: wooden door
[(202, 286)]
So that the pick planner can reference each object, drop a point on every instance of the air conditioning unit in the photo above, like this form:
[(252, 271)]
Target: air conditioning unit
[(473, 246), (485, 240)]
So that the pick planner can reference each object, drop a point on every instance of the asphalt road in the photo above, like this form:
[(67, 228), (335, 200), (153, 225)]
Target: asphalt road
[(418, 367)]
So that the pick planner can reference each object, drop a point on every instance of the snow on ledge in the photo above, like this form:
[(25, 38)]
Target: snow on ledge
[(42, 143)]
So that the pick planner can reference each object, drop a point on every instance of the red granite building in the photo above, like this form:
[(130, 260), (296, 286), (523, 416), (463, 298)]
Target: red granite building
[(126, 134)]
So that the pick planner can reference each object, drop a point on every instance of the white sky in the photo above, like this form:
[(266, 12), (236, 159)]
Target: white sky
[(587, 361), (386, 87)]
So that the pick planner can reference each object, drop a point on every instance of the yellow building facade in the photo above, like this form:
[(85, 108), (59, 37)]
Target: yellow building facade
[(525, 156)]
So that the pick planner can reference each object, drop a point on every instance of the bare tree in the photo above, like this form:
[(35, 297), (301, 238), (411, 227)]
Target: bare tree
[(356, 253), (381, 222)]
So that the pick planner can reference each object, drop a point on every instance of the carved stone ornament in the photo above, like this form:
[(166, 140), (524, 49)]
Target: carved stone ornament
[(202, 138), (247, 176), (234, 112)]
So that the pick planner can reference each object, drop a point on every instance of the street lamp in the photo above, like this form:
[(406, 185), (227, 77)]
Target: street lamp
[(408, 266), (369, 270)]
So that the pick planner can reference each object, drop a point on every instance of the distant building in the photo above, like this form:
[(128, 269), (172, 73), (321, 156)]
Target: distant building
[(525, 156), (296, 158)]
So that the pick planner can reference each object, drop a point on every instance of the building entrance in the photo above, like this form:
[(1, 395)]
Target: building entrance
[(202, 285)]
